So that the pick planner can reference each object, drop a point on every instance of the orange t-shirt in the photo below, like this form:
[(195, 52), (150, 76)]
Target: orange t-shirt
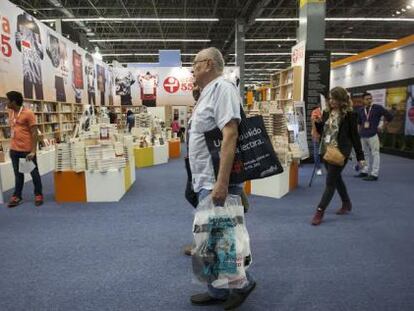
[(21, 126)]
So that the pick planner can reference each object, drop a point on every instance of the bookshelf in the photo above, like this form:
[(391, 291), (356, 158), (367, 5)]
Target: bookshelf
[(54, 119), (286, 87)]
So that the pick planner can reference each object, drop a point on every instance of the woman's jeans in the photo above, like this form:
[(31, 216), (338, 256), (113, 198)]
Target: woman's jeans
[(316, 156), (334, 182)]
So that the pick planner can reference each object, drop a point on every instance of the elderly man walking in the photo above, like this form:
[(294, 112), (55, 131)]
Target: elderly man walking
[(218, 106)]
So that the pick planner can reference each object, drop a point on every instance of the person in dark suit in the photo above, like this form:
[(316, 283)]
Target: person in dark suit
[(338, 127)]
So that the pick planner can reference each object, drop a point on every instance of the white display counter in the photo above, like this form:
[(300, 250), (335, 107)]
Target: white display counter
[(105, 187), (274, 186), (45, 161), (160, 154)]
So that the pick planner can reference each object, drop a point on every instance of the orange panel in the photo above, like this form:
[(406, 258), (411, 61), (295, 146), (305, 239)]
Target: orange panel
[(249, 98), (174, 148), (70, 187), (248, 187), (293, 175)]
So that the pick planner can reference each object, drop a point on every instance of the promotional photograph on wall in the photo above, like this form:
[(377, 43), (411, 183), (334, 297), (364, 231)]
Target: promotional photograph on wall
[(43, 65)]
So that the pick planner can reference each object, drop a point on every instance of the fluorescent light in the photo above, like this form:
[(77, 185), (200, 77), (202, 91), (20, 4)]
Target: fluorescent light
[(404, 10), (48, 20), (326, 39), (278, 19), (130, 54), (118, 54), (409, 7), (264, 54), (262, 69), (360, 39), (148, 40), (251, 63), (257, 74), (138, 19), (344, 19), (398, 12), (366, 19), (343, 54), (270, 40), (188, 54)]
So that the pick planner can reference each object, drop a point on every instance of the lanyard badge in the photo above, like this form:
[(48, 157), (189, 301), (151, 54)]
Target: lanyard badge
[(14, 121), (367, 115)]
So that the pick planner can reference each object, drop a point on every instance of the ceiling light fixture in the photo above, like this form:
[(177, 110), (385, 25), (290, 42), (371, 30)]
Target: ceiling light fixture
[(398, 12), (271, 40), (251, 63), (343, 54), (360, 39), (262, 69), (326, 39), (148, 40), (130, 54), (265, 54), (345, 19), (277, 19), (138, 19)]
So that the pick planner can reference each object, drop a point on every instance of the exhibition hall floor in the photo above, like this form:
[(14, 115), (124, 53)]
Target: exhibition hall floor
[(127, 255)]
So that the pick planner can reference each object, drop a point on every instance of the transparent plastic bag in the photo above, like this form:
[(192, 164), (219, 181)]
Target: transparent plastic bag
[(221, 248)]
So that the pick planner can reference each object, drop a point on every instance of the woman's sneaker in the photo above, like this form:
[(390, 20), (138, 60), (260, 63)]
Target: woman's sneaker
[(14, 201)]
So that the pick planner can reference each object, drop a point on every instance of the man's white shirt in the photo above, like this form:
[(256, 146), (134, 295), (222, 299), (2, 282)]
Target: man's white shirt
[(219, 103)]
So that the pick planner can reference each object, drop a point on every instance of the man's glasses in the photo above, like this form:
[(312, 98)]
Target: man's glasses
[(199, 61)]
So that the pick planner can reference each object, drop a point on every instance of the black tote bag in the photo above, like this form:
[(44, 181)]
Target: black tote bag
[(255, 157)]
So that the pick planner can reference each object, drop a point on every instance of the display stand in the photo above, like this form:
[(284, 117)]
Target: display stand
[(144, 157), (46, 164), (108, 186), (274, 186), (70, 187), (293, 175), (160, 154), (174, 148)]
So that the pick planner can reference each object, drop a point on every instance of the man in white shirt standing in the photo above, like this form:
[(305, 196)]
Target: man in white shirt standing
[(218, 106)]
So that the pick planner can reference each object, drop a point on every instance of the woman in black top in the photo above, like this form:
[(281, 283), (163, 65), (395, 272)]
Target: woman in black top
[(339, 128)]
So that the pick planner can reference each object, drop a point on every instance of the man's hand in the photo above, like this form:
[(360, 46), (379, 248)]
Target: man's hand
[(30, 156), (219, 194)]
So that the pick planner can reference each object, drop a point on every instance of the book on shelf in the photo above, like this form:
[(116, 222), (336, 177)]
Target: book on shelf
[(49, 107), (5, 133)]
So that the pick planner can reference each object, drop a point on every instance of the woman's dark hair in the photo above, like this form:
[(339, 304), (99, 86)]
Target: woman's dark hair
[(129, 112), (342, 97), (175, 118), (15, 97)]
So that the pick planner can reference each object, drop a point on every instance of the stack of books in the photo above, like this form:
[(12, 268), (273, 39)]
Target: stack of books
[(78, 157), (63, 157)]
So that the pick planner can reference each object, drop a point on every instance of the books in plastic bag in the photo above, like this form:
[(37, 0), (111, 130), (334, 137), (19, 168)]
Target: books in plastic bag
[(221, 244)]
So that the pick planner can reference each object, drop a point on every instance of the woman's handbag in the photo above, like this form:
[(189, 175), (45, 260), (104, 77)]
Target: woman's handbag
[(334, 156)]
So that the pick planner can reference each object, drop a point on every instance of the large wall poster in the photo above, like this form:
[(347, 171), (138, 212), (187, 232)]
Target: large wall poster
[(409, 119), (42, 64)]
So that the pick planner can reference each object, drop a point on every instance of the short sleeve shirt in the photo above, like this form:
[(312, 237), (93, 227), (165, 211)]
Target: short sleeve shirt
[(21, 128), (219, 103)]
